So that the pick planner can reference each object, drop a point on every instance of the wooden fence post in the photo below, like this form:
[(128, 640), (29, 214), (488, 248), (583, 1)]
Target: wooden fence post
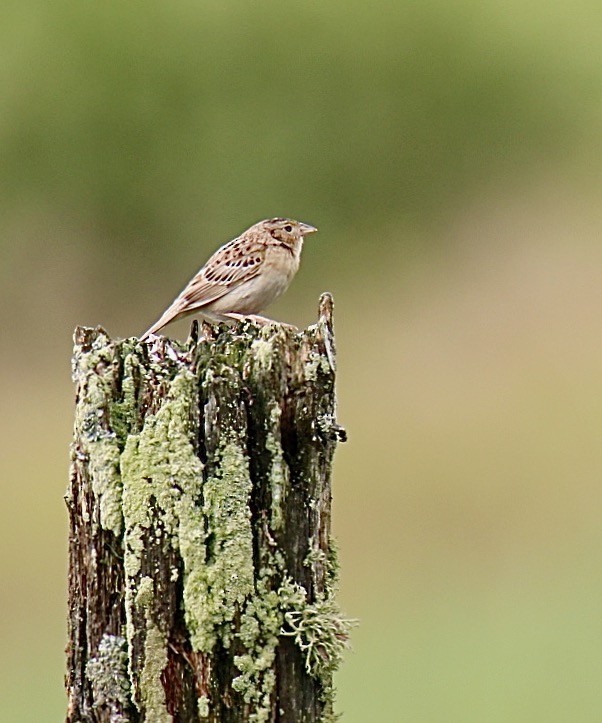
[(201, 568)]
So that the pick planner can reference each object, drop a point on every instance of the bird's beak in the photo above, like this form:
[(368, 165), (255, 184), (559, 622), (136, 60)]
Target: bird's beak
[(306, 229)]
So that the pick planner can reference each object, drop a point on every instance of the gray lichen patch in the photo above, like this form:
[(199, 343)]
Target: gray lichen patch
[(106, 483), (108, 675), (279, 471), (314, 364), (203, 706)]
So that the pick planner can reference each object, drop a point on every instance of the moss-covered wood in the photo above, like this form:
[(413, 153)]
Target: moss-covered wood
[(202, 572)]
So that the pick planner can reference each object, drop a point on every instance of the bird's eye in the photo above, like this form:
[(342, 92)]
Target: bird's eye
[(288, 229)]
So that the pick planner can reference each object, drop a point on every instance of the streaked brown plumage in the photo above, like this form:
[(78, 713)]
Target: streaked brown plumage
[(243, 276)]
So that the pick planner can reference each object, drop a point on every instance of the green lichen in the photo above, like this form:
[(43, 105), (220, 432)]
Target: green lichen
[(263, 352), (315, 556), (108, 675), (123, 413), (315, 363), (332, 566), (162, 477), (215, 590), (93, 373), (324, 565), (106, 484), (318, 630), (145, 592), (321, 634), (259, 632), (152, 693), (155, 476)]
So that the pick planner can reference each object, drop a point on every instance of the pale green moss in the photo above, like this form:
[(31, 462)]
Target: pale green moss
[(92, 370), (162, 477), (215, 589), (152, 694), (123, 414), (259, 631), (263, 352), (145, 592), (106, 483), (108, 675), (315, 556), (321, 634)]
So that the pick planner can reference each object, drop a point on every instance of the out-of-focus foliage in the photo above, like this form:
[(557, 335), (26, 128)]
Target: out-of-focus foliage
[(448, 153), (144, 123)]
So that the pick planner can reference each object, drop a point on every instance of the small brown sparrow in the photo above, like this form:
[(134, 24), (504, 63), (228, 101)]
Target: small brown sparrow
[(243, 276)]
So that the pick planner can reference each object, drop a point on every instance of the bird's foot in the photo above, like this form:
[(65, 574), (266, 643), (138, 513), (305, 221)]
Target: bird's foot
[(259, 320)]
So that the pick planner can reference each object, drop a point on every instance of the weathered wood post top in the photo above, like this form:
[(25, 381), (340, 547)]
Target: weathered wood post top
[(202, 571)]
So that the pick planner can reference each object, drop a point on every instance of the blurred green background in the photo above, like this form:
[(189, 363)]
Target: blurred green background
[(450, 155)]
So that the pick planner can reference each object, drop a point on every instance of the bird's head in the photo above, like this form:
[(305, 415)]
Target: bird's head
[(286, 230)]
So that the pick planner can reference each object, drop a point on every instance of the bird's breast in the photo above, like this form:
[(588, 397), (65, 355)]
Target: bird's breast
[(272, 280)]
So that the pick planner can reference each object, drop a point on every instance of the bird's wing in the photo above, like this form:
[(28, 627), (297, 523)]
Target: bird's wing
[(231, 265)]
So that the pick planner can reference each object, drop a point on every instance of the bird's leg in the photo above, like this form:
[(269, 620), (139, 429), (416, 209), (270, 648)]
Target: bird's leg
[(259, 320), (193, 337)]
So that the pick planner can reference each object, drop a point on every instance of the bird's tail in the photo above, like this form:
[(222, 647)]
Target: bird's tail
[(171, 314), (153, 329)]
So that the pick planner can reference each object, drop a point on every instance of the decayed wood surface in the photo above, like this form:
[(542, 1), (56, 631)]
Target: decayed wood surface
[(201, 568)]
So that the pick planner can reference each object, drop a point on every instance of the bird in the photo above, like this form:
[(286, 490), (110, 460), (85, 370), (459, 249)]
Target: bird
[(243, 276)]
